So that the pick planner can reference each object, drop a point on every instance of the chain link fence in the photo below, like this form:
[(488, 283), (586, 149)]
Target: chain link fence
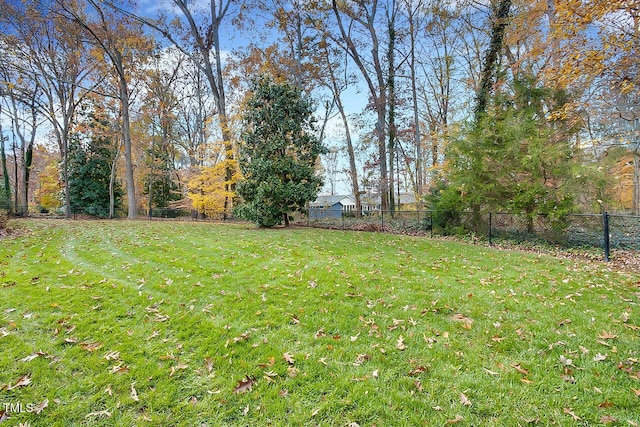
[(607, 231)]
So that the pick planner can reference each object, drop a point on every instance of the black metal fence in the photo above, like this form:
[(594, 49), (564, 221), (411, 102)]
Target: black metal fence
[(606, 231)]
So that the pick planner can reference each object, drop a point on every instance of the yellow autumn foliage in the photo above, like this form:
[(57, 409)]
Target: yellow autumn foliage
[(209, 189)]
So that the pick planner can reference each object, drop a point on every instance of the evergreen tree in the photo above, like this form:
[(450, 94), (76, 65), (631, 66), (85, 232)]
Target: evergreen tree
[(89, 172), (164, 188), (517, 158), (278, 154)]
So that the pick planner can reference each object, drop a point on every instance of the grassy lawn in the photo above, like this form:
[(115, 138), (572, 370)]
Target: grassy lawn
[(166, 323)]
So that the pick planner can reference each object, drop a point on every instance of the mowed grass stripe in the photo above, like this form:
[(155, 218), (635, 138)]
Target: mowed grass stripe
[(140, 323)]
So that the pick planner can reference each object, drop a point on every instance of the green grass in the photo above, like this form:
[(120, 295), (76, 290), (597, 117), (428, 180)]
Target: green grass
[(181, 312)]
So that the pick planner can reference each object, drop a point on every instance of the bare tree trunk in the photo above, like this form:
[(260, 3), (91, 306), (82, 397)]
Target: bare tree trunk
[(414, 98), (112, 183), (636, 183), (126, 137), (5, 174), (391, 90), (377, 89)]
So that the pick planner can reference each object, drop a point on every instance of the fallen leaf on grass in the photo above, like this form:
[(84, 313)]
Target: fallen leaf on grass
[(90, 346), (607, 419), (490, 372), (417, 371), (456, 419), (520, 369), (569, 411), (606, 404), (375, 374), (465, 400), (599, 357), (119, 369), (604, 335), (360, 359), (112, 355), (23, 381), (104, 413), (3, 416), (636, 392), (244, 385), (208, 363), (33, 356), (41, 406), (400, 345), (466, 322), (178, 367), (289, 358), (134, 393), (565, 361)]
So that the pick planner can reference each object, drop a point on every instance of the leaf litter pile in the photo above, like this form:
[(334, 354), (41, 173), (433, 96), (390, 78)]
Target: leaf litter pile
[(138, 323)]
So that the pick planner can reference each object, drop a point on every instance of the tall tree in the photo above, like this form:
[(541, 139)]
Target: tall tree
[(337, 79), (54, 56), (19, 93), (364, 16), (278, 154), (6, 188), (499, 21), (116, 38)]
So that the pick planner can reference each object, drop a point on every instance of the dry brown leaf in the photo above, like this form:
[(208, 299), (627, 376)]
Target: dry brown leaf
[(526, 380), (632, 327), (466, 322), (161, 318), (361, 358), (464, 399), (178, 367), (90, 346), (112, 355), (607, 419), (606, 404), (456, 419), (569, 411), (208, 363), (636, 392), (520, 369), (375, 374), (400, 345), (288, 357), (599, 357), (104, 413), (41, 406), (119, 369), (134, 393), (604, 335), (4, 416), (33, 356), (23, 381), (490, 372), (244, 385), (417, 371)]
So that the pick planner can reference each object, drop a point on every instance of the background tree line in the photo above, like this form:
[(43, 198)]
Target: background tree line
[(511, 105)]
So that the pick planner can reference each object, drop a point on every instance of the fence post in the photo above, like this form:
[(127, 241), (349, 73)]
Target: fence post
[(607, 242), (490, 218)]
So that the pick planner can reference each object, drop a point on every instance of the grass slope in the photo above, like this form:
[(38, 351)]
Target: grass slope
[(137, 323)]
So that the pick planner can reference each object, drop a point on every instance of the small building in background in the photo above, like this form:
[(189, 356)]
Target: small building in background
[(331, 206)]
